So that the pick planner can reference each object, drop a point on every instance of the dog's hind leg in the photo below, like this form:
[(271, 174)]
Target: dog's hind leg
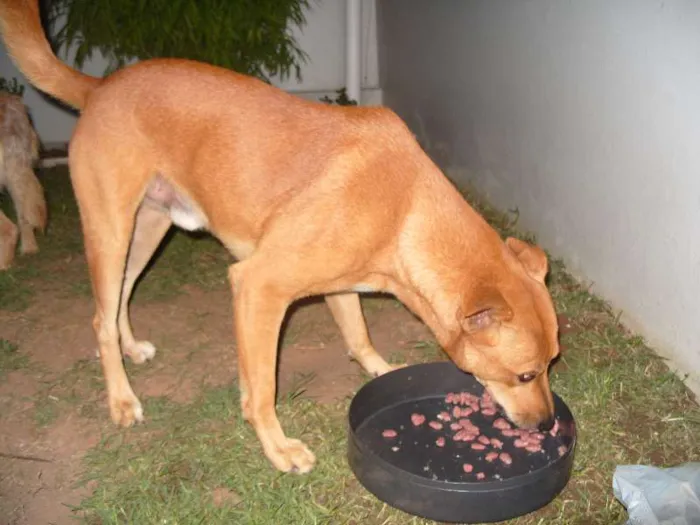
[(347, 312), (152, 223), (8, 241), (107, 218), (106, 252)]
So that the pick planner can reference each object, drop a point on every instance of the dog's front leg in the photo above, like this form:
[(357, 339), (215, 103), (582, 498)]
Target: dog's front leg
[(347, 312), (259, 307)]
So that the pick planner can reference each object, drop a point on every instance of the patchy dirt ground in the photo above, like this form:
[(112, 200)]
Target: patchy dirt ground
[(53, 410)]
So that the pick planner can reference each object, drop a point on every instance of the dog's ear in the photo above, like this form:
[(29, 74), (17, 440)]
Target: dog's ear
[(487, 310), (531, 257)]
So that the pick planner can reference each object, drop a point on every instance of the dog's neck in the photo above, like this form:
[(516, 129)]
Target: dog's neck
[(450, 258)]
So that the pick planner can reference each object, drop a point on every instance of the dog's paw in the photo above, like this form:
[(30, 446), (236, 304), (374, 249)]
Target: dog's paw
[(125, 410), (28, 247), (396, 366), (293, 456), (140, 352), (380, 371), (378, 367), (5, 261)]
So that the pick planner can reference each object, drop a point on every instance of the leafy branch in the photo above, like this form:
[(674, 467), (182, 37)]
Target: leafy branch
[(248, 36)]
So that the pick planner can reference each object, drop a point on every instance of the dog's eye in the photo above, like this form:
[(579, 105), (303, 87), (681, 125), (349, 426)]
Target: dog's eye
[(527, 377)]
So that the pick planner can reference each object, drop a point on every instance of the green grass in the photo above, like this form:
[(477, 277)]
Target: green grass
[(11, 358), (172, 270), (74, 390), (169, 470), (628, 406), (45, 413)]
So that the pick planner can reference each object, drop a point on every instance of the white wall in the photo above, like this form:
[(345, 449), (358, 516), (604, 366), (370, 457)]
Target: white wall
[(323, 39), (583, 115)]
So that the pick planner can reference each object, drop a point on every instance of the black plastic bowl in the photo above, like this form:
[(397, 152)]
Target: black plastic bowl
[(410, 472)]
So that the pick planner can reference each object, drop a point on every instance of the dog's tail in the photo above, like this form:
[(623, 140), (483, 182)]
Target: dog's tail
[(30, 50)]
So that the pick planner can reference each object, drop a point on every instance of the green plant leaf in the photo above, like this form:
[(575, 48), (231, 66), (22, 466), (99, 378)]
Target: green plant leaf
[(249, 36)]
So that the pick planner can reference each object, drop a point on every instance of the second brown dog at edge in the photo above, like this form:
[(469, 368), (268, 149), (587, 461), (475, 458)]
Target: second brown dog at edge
[(311, 199)]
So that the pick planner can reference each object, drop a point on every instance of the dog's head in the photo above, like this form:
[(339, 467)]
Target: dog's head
[(508, 336)]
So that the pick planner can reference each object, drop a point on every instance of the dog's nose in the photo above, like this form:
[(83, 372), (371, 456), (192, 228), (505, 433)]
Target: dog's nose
[(546, 425)]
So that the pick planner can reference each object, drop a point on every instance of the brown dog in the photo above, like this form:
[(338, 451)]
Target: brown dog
[(312, 199), (19, 149)]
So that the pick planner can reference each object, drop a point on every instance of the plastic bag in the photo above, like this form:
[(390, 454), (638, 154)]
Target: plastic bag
[(656, 496)]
